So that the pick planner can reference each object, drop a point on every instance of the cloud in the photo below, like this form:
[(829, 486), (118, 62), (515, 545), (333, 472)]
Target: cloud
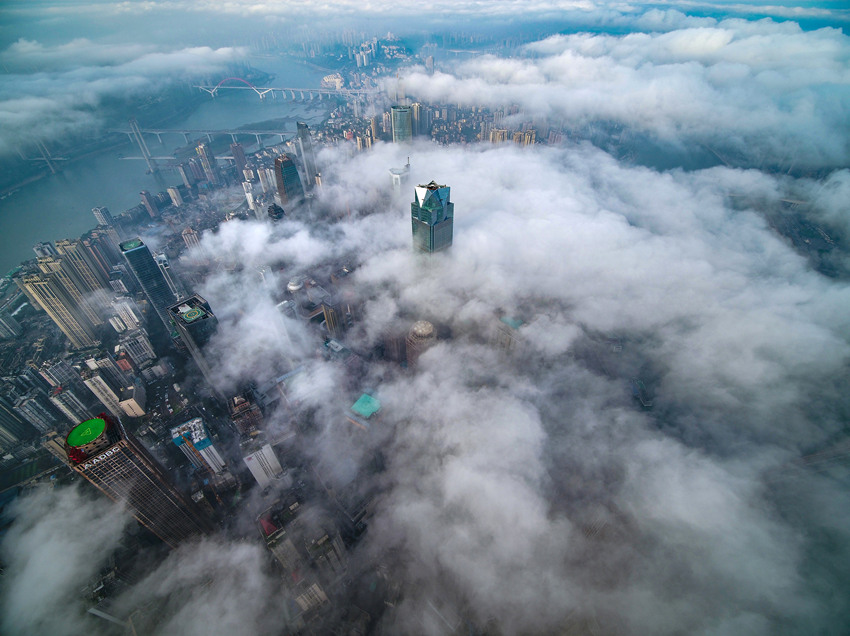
[(528, 489), (56, 92), (59, 539), (768, 92)]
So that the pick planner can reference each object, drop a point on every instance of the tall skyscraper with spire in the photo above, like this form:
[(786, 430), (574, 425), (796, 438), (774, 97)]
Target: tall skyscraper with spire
[(288, 182), (432, 217), (116, 463)]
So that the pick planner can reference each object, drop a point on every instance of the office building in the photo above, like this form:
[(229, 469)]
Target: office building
[(432, 217), (102, 451), (196, 324), (35, 410), (288, 182), (263, 465), (193, 439), (61, 307), (100, 247), (402, 122), (150, 204), (208, 163), (304, 146), (150, 277)]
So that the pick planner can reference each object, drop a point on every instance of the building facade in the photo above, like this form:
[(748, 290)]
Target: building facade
[(288, 182), (432, 217), (116, 463)]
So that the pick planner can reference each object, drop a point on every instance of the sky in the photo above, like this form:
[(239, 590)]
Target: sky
[(527, 491)]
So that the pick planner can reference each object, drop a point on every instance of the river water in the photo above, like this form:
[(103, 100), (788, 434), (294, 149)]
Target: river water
[(59, 206)]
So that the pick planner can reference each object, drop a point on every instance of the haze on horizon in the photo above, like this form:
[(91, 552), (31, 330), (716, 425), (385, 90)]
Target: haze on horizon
[(522, 493)]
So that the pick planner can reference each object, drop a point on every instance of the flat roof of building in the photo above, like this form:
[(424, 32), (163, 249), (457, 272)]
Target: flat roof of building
[(86, 432), (366, 406)]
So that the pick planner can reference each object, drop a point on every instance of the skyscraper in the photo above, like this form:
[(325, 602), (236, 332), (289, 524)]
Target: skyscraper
[(238, 154), (263, 465), (103, 216), (288, 182), (304, 144), (150, 204), (148, 273), (402, 124), (115, 462), (432, 217), (208, 163), (196, 324), (62, 308), (190, 238)]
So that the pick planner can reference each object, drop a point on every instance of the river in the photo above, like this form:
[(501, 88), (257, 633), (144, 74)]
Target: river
[(59, 206)]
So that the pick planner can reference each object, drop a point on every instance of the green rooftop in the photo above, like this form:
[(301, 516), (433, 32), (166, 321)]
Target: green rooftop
[(513, 323), (366, 406), (86, 432), (132, 244)]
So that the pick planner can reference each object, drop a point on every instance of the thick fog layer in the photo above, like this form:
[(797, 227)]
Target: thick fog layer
[(527, 491)]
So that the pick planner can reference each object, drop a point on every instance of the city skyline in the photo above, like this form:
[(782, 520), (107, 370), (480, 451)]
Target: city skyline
[(611, 403)]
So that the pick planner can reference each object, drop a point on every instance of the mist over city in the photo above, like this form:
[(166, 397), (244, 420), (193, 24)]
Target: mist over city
[(369, 318)]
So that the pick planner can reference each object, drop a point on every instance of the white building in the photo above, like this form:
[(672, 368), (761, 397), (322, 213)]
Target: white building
[(263, 465)]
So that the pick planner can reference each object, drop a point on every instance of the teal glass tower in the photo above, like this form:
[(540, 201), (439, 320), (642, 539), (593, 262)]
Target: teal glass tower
[(402, 124), (432, 217)]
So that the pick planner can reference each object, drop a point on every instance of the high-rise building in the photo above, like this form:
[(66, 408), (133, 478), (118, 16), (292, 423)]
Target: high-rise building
[(421, 336), (44, 249), (92, 273), (176, 197), (208, 163), (190, 238), (402, 124), (9, 327), (33, 408), (138, 346), (13, 428), (174, 284), (115, 462), (104, 390), (432, 217), (288, 182), (150, 277), (101, 248), (263, 465), (62, 308), (71, 405), (150, 204), (245, 413), (193, 439), (399, 177), (103, 216), (238, 154), (186, 174), (69, 278), (304, 145), (196, 324)]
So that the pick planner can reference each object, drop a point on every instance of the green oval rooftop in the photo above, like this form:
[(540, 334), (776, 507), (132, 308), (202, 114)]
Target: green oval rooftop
[(86, 432)]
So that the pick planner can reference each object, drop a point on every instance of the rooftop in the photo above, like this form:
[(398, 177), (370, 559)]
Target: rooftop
[(86, 432), (366, 406)]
